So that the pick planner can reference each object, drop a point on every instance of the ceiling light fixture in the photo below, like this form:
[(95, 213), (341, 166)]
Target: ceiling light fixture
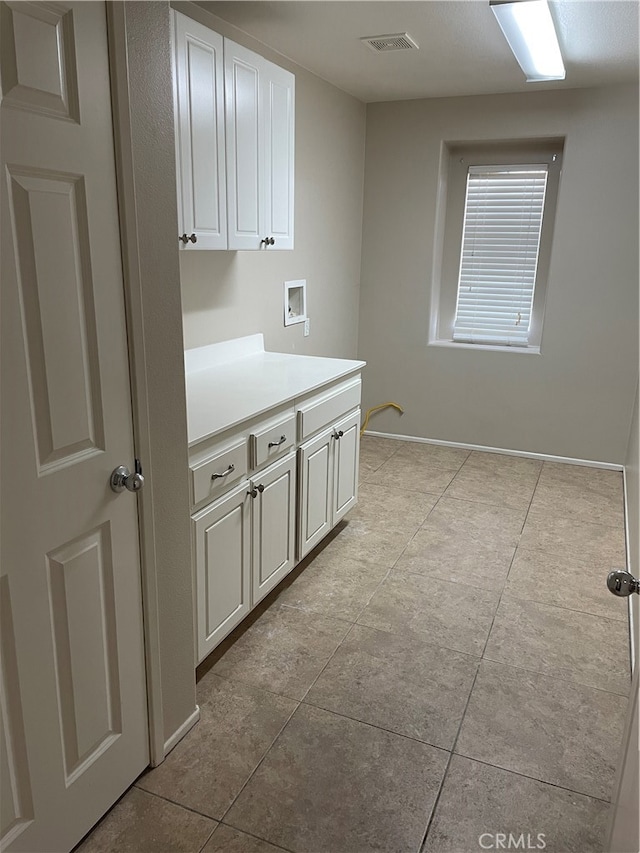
[(528, 27)]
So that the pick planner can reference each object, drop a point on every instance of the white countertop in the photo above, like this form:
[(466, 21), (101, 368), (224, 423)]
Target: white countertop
[(232, 381)]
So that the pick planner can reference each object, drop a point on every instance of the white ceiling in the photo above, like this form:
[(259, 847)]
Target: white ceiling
[(462, 50)]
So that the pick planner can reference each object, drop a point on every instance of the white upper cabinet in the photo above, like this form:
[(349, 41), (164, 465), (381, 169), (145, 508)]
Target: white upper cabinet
[(234, 143), (279, 99), (245, 142), (260, 148), (200, 139)]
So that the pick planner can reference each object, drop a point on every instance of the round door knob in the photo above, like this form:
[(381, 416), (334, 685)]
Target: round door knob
[(186, 238), (622, 583), (122, 478)]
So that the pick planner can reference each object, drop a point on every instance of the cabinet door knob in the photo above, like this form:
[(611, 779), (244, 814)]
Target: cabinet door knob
[(268, 241), (254, 491), (185, 238), (337, 434)]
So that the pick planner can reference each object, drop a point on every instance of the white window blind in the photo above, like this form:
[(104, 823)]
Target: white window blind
[(499, 256)]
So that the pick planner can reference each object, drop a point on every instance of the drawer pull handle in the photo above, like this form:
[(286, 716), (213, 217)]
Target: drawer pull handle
[(226, 473), (283, 438)]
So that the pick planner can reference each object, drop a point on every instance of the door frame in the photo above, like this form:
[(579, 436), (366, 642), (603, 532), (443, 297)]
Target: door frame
[(158, 688)]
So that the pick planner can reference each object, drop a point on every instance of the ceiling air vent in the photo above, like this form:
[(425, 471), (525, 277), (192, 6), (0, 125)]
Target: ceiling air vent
[(392, 41)]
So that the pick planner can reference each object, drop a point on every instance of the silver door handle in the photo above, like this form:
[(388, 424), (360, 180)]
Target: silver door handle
[(122, 478), (622, 583), (283, 438), (226, 473)]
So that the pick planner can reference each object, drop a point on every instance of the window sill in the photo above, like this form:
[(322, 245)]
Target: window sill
[(490, 347)]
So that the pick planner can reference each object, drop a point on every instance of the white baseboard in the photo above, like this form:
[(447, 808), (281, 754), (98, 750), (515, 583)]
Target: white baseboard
[(179, 733), (567, 460)]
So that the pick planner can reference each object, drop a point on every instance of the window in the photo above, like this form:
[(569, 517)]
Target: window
[(500, 206)]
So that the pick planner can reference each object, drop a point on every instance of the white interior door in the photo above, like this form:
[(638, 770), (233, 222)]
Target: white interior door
[(624, 828), (74, 721)]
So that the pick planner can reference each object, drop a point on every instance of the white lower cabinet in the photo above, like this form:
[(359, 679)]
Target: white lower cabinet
[(346, 452), (328, 466), (275, 484), (222, 534), (244, 545), (273, 523)]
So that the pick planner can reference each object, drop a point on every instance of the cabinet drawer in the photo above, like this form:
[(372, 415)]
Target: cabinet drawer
[(210, 478), (272, 440), (325, 408)]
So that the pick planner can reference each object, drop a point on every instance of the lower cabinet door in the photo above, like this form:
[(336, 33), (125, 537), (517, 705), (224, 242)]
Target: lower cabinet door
[(346, 449), (223, 567), (315, 459), (273, 524)]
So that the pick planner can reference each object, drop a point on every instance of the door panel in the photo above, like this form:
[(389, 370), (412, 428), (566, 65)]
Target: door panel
[(244, 147), (85, 642), (200, 141), (74, 716), (315, 491), (39, 59), (273, 525), (223, 567), (15, 784), (279, 154), (51, 244), (345, 466)]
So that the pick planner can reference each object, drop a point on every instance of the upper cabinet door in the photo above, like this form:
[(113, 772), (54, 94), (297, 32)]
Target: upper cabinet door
[(200, 140), (260, 149), (245, 146), (279, 147)]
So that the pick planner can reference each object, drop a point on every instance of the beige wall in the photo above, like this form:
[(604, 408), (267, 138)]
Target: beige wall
[(230, 294), (144, 118), (576, 398)]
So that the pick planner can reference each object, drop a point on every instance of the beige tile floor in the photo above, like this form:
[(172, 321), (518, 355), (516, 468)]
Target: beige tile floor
[(449, 663)]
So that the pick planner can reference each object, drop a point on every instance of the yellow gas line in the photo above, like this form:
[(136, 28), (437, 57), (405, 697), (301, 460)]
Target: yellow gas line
[(373, 409)]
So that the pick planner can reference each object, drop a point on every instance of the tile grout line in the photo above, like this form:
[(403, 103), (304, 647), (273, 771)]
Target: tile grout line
[(328, 661), (253, 772), (515, 551), (533, 778), (377, 726), (564, 607), (257, 837), (191, 809), (209, 837), (555, 678), (448, 765), (464, 713)]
